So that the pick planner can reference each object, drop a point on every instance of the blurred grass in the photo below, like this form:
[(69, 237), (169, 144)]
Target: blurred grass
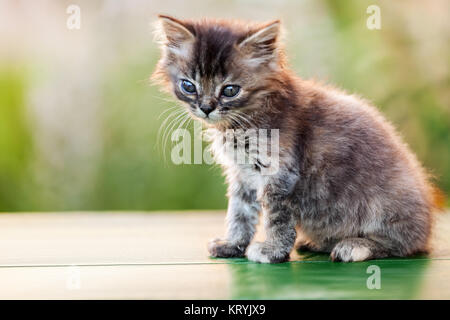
[(15, 142), (126, 170)]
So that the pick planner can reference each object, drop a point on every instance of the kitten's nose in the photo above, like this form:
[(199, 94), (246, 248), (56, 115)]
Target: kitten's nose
[(206, 108)]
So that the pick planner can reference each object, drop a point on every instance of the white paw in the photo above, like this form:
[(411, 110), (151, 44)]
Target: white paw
[(360, 254), (347, 253), (254, 253)]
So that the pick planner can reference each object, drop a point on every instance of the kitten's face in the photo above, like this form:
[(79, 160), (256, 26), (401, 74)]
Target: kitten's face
[(220, 70)]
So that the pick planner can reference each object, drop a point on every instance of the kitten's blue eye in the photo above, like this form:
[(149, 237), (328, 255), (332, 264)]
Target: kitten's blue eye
[(230, 91), (187, 87)]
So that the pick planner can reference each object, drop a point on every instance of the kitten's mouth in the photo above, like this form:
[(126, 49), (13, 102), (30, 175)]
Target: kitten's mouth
[(205, 118), (209, 119), (216, 117), (213, 117)]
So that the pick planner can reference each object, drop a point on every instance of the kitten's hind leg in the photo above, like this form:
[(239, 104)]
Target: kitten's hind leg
[(357, 249)]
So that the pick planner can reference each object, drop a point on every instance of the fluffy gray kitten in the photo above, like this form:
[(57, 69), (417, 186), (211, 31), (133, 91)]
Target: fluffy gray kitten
[(346, 183)]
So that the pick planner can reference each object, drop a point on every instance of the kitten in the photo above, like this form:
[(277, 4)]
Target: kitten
[(346, 183)]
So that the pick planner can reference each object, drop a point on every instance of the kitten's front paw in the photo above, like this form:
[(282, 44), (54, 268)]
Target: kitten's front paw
[(220, 248), (264, 252)]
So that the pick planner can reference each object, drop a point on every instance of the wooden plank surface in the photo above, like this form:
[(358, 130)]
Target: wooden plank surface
[(140, 255)]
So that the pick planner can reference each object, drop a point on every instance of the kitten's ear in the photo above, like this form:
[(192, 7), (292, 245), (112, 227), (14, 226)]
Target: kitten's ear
[(172, 32), (261, 44)]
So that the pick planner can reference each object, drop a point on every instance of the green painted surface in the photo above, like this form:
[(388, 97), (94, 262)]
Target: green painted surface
[(319, 279)]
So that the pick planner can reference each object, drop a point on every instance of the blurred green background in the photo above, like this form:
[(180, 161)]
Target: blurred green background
[(79, 120)]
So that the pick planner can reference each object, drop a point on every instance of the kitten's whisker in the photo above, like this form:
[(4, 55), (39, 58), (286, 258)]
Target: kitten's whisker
[(176, 114), (162, 99), (167, 110), (167, 134), (182, 123), (182, 126), (239, 120), (171, 127), (163, 124), (242, 116), (236, 120)]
